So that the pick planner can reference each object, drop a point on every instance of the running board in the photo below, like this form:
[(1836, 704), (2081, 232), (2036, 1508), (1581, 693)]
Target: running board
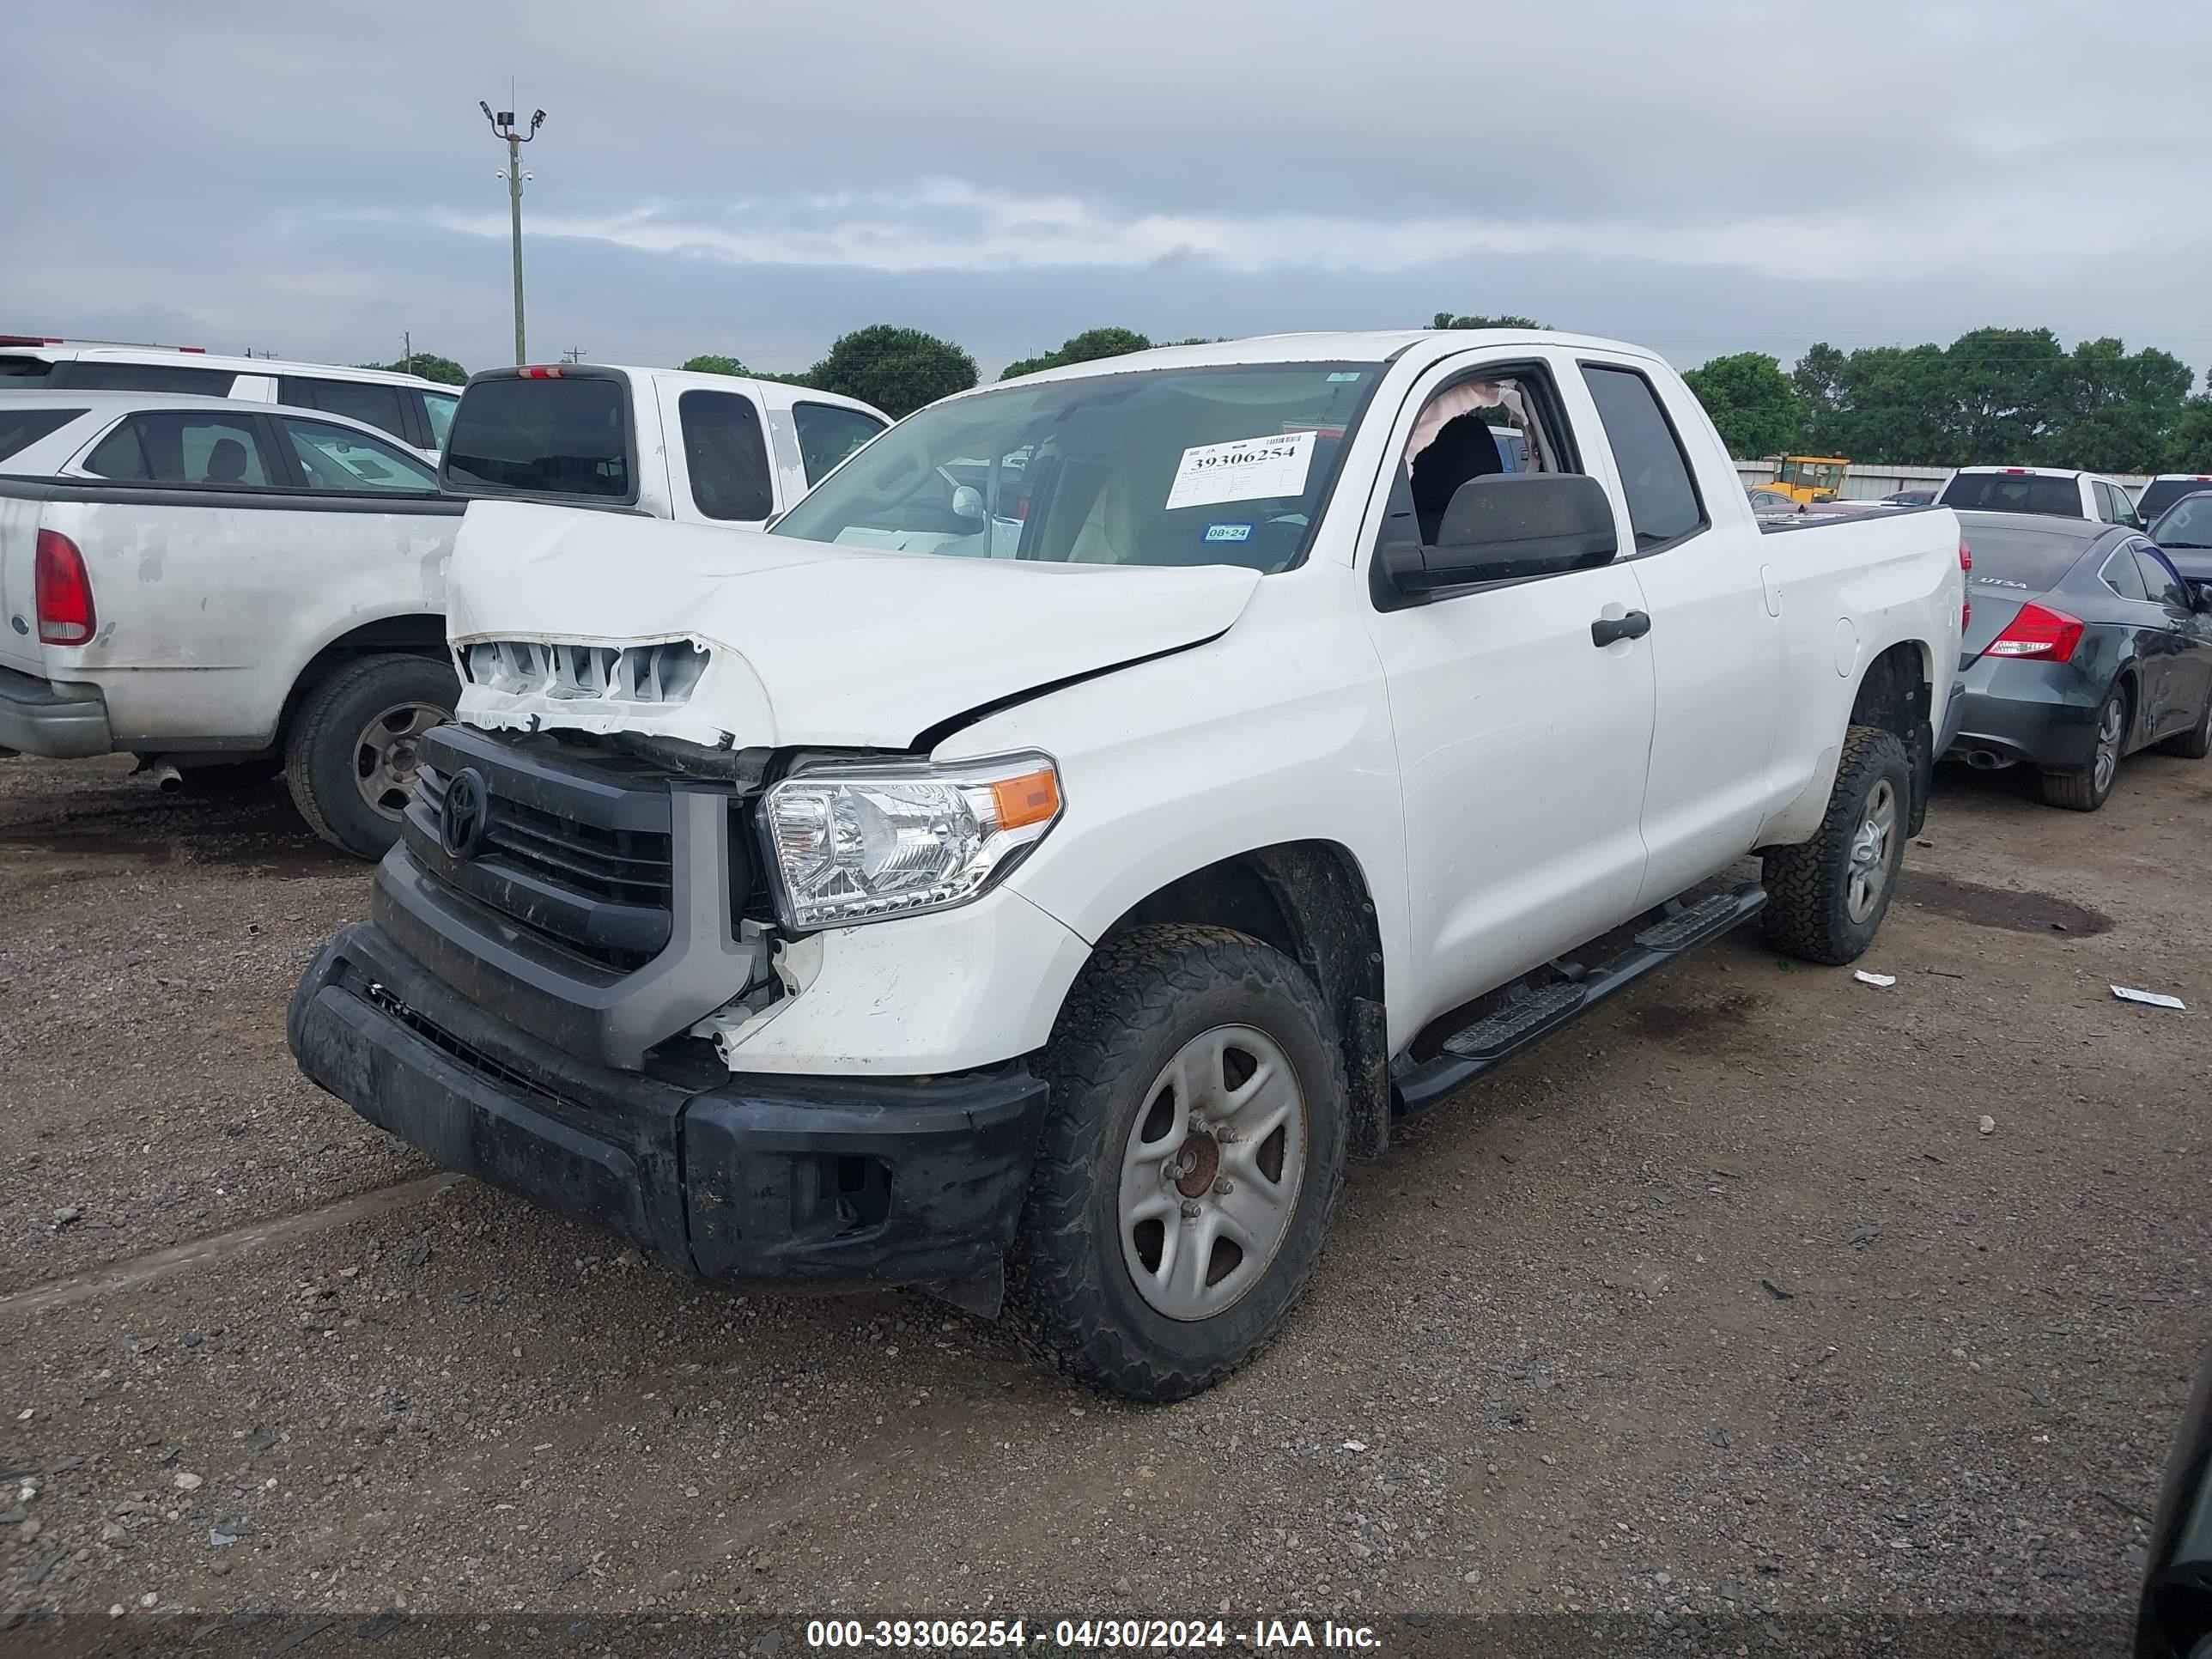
[(1530, 1015)]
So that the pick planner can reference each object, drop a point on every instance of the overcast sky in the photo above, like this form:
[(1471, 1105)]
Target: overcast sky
[(1703, 176)]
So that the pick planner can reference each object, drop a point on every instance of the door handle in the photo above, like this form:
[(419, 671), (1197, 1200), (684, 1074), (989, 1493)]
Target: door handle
[(1633, 626)]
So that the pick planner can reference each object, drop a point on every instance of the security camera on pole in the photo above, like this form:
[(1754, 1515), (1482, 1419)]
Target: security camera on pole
[(503, 125)]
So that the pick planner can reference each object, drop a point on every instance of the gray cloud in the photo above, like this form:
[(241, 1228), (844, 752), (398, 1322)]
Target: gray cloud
[(1704, 176)]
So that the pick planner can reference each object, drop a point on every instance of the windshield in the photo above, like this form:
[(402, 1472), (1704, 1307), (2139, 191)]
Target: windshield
[(2014, 492), (2188, 523), (2162, 493), (1221, 464)]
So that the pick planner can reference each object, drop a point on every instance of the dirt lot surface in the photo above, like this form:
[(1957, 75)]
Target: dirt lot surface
[(1763, 1290)]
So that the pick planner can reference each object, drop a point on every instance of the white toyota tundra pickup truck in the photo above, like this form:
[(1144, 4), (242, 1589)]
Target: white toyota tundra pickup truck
[(1109, 801)]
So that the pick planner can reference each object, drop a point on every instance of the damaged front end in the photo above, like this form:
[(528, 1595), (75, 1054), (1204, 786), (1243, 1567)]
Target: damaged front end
[(569, 920)]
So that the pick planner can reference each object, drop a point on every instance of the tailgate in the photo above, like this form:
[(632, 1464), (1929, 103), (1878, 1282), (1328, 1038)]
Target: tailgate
[(19, 620)]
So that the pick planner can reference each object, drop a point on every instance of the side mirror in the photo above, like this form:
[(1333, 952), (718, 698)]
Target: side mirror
[(1509, 526), (967, 501), (2200, 596)]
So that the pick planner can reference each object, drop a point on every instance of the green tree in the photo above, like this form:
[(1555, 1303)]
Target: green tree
[(2192, 450), (2116, 411), (2006, 388), (1996, 395), (1898, 405), (715, 364), (1751, 402), (1445, 319), (1086, 347), (897, 369), (429, 365)]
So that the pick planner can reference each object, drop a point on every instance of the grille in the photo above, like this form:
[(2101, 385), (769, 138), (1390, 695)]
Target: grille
[(664, 674), (584, 864)]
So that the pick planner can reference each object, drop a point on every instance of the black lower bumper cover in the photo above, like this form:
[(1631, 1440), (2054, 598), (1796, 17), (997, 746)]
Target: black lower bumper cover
[(792, 1181)]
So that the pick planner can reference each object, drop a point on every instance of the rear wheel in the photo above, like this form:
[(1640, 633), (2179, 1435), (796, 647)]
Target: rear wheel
[(2086, 790), (2195, 743), (349, 759), (1825, 898), (1192, 1155)]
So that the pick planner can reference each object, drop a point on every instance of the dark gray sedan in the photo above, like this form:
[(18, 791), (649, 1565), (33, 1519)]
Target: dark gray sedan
[(2084, 645), (2183, 534)]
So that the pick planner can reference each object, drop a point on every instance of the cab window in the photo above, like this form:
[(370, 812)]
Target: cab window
[(1663, 506), (725, 454), (178, 447), (332, 457), (827, 435)]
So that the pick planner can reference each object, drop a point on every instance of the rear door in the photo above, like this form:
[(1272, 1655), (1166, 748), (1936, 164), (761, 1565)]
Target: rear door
[(1716, 642), (1522, 745)]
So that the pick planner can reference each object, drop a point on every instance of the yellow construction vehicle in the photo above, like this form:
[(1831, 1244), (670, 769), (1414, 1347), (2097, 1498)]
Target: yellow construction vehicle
[(1810, 477)]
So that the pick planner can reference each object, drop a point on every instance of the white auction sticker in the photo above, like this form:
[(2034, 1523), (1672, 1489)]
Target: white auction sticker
[(1249, 470)]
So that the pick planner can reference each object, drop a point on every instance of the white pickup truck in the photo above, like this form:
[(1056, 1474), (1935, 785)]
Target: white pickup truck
[(226, 590), (1109, 801), (697, 448)]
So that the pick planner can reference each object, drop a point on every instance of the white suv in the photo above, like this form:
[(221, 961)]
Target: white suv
[(2054, 491), (415, 410)]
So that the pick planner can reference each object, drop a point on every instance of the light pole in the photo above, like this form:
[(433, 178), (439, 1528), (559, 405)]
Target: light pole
[(503, 125)]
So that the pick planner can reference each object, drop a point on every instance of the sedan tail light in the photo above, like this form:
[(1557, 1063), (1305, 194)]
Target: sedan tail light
[(2039, 632), (63, 590)]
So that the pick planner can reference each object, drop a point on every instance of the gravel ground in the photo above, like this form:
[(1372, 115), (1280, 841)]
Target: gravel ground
[(1764, 1292)]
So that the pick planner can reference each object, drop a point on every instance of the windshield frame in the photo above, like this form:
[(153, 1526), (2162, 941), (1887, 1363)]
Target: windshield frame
[(1372, 372)]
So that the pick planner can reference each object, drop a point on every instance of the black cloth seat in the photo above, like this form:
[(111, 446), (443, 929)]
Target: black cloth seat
[(1463, 449)]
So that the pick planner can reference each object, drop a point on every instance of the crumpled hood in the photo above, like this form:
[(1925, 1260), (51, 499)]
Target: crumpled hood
[(814, 645)]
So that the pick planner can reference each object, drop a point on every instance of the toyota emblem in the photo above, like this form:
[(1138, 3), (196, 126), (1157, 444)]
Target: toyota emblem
[(467, 811)]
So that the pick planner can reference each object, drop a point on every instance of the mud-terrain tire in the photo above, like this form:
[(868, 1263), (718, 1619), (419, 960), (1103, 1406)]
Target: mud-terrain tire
[(352, 738), (1825, 898), (1171, 1035), (2086, 790)]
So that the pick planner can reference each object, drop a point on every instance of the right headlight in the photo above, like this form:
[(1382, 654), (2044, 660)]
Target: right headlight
[(869, 841)]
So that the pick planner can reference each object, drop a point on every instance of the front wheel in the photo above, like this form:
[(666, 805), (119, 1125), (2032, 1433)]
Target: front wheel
[(349, 759), (2086, 790), (1192, 1155), (2195, 743), (1826, 899)]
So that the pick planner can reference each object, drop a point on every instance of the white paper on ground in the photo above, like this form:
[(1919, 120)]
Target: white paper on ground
[(2155, 998), (1864, 977), (1249, 470)]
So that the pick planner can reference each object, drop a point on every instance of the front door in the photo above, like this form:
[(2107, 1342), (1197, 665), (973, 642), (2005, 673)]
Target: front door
[(1522, 747)]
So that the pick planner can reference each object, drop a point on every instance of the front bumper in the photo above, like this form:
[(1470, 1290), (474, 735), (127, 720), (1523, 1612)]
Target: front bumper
[(63, 722), (2042, 713), (817, 1182)]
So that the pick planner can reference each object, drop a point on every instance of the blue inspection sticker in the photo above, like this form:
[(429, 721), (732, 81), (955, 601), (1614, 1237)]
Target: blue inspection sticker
[(1228, 532)]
